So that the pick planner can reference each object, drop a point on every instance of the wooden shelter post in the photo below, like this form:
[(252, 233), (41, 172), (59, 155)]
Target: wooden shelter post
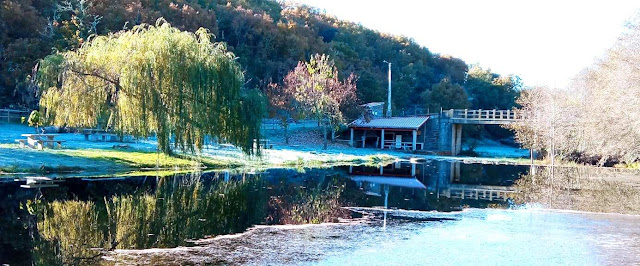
[(415, 139), (351, 139)]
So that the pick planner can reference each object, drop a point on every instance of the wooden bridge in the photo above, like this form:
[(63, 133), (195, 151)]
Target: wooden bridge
[(458, 117), (485, 117), (478, 192)]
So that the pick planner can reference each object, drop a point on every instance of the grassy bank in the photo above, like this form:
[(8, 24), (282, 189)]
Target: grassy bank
[(150, 160), (113, 162), (44, 169)]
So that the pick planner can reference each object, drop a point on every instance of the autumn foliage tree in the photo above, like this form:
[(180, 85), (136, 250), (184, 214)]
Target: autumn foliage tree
[(321, 95)]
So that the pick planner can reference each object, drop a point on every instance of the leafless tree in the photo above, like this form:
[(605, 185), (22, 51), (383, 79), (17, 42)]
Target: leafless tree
[(597, 116)]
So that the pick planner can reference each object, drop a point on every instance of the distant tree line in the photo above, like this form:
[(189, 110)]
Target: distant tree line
[(269, 39)]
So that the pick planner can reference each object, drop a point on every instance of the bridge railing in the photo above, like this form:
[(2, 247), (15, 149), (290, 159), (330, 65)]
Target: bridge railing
[(493, 114), (479, 192)]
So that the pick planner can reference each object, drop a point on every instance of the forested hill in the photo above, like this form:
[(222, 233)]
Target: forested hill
[(268, 38)]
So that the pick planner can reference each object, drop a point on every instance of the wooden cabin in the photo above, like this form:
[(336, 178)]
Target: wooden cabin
[(406, 133)]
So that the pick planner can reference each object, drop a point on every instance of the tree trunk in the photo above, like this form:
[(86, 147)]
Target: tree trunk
[(333, 135), (286, 134), (325, 135)]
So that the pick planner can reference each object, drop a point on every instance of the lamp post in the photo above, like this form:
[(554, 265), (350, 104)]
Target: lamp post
[(389, 91)]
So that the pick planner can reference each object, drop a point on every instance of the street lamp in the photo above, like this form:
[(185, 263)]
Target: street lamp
[(389, 91)]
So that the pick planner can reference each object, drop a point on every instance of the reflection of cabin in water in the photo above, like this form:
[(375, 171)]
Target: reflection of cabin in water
[(407, 133), (372, 179), (444, 179)]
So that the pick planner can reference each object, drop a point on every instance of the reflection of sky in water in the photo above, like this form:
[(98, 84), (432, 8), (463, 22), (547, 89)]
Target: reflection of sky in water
[(498, 237)]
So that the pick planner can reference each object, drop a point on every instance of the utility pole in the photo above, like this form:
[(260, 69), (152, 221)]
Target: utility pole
[(389, 91)]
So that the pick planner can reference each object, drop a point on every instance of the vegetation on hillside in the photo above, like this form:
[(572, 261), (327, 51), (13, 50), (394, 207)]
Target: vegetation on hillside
[(268, 38)]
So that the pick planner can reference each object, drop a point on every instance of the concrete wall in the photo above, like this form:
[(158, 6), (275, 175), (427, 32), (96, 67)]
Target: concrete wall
[(441, 135)]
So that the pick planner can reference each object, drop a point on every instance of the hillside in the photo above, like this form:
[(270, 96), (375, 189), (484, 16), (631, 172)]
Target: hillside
[(268, 38)]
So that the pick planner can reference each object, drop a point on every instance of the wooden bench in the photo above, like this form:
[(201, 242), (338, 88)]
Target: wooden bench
[(106, 137), (405, 145), (101, 135), (40, 182), (40, 144), (22, 142)]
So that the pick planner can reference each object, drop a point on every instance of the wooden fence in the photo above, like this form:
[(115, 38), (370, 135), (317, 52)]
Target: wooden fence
[(9, 115)]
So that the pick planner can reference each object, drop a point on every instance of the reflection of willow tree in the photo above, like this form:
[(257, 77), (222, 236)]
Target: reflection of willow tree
[(15, 221), (180, 209), (175, 212), (69, 227), (582, 189), (186, 211)]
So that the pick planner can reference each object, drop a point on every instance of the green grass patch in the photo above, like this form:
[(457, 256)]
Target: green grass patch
[(142, 159), (379, 158), (227, 162), (634, 165), (137, 159), (328, 161), (44, 169)]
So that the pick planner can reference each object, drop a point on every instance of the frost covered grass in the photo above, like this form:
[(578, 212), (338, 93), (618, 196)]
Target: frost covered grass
[(106, 158), (319, 159), (14, 159), (111, 161)]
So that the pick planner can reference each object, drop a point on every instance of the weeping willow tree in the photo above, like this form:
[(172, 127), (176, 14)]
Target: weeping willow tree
[(153, 80)]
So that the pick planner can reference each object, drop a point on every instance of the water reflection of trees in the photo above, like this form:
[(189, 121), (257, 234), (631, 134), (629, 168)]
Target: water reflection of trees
[(300, 204), (583, 189), (176, 211), (14, 226)]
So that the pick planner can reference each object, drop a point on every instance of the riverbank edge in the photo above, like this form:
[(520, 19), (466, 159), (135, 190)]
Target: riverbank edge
[(121, 162), (138, 162)]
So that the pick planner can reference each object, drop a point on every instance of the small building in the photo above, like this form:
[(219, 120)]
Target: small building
[(407, 133), (375, 109)]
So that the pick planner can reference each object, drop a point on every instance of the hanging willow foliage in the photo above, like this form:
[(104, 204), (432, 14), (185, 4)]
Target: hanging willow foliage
[(153, 79)]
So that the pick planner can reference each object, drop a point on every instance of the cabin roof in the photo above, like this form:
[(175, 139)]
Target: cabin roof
[(392, 181), (413, 123), (372, 104)]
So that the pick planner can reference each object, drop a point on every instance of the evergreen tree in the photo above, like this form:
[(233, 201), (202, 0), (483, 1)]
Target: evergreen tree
[(445, 95)]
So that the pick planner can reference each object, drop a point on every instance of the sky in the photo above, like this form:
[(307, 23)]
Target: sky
[(544, 42)]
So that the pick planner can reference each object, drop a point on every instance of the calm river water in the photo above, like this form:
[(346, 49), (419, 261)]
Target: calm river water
[(406, 214)]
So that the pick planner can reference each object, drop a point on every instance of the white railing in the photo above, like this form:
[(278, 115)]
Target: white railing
[(479, 114), (478, 193)]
